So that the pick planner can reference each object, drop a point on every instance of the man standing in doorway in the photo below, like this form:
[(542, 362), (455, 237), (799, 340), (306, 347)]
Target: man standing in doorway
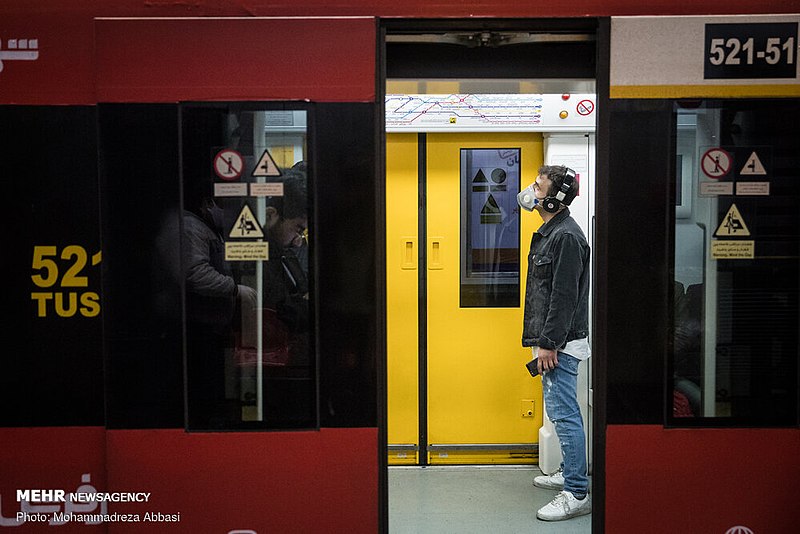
[(556, 326)]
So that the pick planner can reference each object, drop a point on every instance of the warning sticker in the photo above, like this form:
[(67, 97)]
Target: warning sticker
[(753, 166), (267, 190), (752, 188), (246, 225), (732, 225), (716, 163), (733, 250), (228, 164), (230, 190), (266, 166), (708, 189), (490, 213), (480, 180), (752, 162), (585, 107), (498, 176), (247, 251)]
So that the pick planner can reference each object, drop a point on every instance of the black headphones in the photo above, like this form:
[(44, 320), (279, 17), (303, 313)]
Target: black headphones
[(552, 204)]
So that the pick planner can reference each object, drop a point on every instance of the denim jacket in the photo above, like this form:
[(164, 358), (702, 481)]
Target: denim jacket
[(557, 292)]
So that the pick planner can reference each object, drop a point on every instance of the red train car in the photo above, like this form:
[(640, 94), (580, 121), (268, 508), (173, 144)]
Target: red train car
[(120, 118)]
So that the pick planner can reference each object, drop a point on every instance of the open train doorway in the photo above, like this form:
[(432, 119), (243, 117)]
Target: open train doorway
[(471, 115)]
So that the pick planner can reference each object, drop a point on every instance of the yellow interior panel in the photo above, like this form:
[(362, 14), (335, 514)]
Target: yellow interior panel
[(402, 330), (282, 155), (477, 382), (478, 389)]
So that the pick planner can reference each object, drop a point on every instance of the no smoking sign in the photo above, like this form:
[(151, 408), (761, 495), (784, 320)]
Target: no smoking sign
[(585, 107)]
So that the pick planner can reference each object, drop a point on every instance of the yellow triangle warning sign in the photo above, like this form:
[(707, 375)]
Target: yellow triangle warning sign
[(246, 225), (266, 166), (753, 166), (732, 225), (491, 213)]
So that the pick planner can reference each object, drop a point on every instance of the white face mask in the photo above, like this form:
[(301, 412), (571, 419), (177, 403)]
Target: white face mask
[(527, 198)]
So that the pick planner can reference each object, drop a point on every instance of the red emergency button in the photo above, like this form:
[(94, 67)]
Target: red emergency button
[(565, 96)]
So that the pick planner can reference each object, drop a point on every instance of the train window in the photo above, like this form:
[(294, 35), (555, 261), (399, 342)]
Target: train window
[(245, 242), (489, 227), (490, 180), (736, 271)]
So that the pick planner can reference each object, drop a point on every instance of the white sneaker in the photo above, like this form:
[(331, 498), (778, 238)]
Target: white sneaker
[(554, 481), (564, 506)]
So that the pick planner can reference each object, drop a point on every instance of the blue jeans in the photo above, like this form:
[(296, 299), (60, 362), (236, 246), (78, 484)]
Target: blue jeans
[(561, 401)]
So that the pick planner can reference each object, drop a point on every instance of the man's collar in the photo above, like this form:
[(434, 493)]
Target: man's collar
[(547, 227)]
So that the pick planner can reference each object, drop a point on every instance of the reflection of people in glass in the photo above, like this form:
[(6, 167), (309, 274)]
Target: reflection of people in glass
[(213, 303), (286, 272), (688, 347)]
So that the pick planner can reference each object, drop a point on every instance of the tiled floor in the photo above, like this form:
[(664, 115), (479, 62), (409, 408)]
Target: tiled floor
[(472, 500)]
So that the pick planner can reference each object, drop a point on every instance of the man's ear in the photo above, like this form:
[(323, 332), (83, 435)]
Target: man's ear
[(272, 217)]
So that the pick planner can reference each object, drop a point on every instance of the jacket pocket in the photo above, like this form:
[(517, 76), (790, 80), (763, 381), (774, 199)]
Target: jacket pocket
[(543, 266)]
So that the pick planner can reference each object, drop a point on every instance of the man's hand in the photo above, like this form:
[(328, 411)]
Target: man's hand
[(548, 360)]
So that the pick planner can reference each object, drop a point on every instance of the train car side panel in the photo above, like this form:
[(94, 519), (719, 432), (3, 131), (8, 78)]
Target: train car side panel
[(68, 459), (276, 482), (239, 59), (695, 480)]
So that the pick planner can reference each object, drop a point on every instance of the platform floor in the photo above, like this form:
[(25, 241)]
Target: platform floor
[(472, 500)]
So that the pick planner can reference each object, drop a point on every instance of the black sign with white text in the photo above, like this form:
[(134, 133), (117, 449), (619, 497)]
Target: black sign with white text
[(764, 50)]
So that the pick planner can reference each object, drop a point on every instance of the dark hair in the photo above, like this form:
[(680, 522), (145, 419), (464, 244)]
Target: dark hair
[(197, 195), (557, 173), (294, 202)]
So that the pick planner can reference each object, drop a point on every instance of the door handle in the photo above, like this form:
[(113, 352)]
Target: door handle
[(435, 253), (408, 253)]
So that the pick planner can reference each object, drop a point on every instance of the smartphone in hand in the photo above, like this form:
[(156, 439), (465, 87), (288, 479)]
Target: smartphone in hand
[(533, 366)]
